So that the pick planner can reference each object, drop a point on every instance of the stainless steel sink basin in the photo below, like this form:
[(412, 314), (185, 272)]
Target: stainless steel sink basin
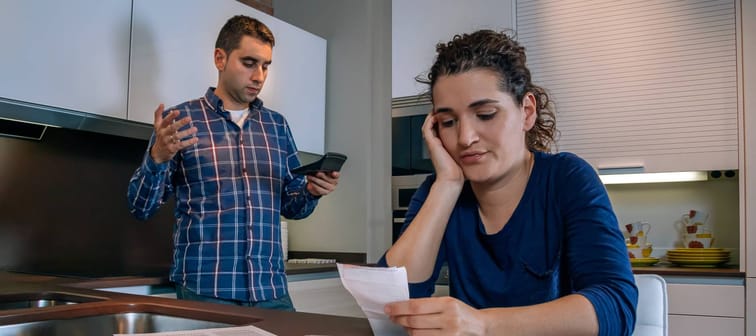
[(120, 323), (43, 299)]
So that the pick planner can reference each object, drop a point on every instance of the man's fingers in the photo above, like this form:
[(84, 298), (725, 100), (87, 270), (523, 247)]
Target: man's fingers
[(171, 129), (169, 120), (321, 181), (185, 133), (158, 116), (186, 143), (316, 187), (181, 123)]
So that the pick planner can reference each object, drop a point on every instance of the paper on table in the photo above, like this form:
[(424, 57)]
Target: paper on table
[(373, 288), (230, 331)]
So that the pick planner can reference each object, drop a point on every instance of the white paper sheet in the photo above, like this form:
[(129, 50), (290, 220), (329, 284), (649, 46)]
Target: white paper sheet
[(230, 331), (373, 288)]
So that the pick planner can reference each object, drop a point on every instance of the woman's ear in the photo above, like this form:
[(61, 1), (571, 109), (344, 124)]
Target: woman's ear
[(529, 110)]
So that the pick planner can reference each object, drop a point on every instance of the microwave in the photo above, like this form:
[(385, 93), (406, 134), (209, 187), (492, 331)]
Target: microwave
[(409, 152), (402, 189)]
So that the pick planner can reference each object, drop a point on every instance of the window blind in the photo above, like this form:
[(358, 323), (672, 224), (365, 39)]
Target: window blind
[(638, 77)]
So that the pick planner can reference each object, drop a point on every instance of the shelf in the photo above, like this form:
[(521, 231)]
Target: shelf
[(669, 269)]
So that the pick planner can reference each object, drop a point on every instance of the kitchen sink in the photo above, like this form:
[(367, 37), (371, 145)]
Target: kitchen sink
[(121, 323), (43, 300), (110, 317)]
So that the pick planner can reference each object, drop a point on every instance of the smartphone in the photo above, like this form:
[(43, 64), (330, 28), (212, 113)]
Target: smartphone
[(329, 162)]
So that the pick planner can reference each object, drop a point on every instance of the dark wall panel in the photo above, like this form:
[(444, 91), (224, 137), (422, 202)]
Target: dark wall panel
[(63, 208)]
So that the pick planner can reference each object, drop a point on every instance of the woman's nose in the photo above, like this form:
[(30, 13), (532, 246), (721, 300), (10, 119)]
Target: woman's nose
[(467, 134)]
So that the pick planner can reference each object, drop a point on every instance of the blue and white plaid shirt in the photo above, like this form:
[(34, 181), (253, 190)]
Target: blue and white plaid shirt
[(231, 189)]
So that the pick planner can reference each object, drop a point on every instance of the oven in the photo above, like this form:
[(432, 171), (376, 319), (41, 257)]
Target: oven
[(402, 189)]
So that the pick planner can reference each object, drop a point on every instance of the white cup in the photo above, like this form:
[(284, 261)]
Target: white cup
[(698, 240)]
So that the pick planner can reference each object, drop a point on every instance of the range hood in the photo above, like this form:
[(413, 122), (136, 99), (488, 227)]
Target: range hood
[(25, 112), (410, 105)]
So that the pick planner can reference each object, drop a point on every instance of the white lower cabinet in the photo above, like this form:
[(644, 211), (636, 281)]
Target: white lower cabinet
[(690, 325), (706, 309), (323, 296)]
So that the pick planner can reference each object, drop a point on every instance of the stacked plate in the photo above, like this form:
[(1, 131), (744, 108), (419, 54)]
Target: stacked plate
[(650, 261), (698, 257)]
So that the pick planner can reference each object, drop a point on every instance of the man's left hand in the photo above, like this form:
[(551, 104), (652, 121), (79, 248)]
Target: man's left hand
[(322, 183)]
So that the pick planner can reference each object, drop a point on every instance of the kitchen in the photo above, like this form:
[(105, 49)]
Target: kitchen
[(350, 220)]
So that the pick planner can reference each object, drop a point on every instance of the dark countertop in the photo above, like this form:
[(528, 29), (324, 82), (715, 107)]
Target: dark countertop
[(127, 281), (278, 322), (292, 269)]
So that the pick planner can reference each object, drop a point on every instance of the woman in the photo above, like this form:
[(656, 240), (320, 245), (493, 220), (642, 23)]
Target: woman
[(530, 238)]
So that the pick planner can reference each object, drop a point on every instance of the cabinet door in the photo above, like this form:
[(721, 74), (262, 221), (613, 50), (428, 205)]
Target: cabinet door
[(686, 325), (651, 86), (421, 160), (68, 54), (417, 25), (706, 300), (401, 146), (706, 309), (172, 62)]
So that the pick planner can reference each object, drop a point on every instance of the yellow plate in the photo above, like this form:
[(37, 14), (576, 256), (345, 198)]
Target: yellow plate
[(697, 258), (686, 260), (698, 263), (698, 255), (643, 261), (704, 250), (693, 251)]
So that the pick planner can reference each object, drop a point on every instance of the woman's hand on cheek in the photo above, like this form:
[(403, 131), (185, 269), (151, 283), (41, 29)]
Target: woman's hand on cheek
[(446, 168), (436, 316)]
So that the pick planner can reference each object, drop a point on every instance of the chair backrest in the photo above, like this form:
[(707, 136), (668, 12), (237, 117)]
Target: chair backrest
[(651, 314)]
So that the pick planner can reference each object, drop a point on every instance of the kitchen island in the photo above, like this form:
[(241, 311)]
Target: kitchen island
[(92, 302)]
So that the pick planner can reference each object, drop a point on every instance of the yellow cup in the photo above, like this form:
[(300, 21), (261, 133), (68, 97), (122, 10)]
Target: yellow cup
[(647, 251)]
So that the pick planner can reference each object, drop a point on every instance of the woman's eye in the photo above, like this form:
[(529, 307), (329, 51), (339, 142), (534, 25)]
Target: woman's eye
[(447, 123), (486, 116)]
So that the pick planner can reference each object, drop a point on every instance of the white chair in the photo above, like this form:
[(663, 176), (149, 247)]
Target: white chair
[(651, 314)]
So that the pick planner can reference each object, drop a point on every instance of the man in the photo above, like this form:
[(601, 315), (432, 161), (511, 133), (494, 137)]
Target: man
[(227, 158)]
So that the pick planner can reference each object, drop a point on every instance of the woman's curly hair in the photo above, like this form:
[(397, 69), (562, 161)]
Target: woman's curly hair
[(496, 51)]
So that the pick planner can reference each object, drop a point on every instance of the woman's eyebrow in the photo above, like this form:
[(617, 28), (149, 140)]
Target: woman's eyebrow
[(482, 102), (443, 110), (471, 105)]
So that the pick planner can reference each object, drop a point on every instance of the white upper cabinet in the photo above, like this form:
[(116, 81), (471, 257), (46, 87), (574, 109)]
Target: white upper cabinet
[(70, 54), (418, 25), (650, 84), (172, 62), (748, 200)]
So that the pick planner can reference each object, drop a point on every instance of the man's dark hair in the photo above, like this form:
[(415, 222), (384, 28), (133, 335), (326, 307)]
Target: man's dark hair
[(239, 26)]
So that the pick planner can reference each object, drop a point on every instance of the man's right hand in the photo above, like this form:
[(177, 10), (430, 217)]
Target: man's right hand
[(168, 137)]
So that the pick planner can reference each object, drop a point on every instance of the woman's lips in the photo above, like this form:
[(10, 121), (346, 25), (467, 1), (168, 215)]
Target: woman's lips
[(469, 158)]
